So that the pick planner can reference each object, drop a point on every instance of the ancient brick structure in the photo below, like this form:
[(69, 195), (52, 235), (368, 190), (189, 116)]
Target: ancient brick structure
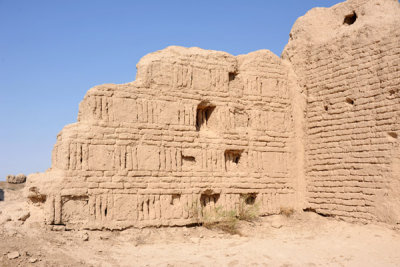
[(316, 129), (351, 75)]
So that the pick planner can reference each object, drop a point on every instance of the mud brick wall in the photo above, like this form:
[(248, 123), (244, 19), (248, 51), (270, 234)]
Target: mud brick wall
[(352, 124), (196, 130), (317, 129)]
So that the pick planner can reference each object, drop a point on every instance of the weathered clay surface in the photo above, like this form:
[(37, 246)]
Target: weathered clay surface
[(200, 129), (351, 74), (196, 130)]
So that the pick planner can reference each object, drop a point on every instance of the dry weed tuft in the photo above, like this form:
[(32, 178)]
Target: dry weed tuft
[(287, 211), (225, 220), (222, 220), (248, 209)]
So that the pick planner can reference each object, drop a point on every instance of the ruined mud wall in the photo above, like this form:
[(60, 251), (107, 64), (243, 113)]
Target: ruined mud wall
[(348, 61), (197, 130), (200, 130)]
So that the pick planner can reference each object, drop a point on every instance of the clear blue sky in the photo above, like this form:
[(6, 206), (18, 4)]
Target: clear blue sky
[(52, 52)]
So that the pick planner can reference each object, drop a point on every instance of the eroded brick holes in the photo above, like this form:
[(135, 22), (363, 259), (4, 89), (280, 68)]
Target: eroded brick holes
[(350, 18), (393, 135), (349, 101)]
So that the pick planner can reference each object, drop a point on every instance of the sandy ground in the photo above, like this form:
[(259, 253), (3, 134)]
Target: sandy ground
[(304, 239)]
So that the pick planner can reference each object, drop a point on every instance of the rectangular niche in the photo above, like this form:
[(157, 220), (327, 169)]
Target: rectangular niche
[(175, 199), (203, 115), (233, 159), (209, 203), (248, 199), (188, 161), (232, 76)]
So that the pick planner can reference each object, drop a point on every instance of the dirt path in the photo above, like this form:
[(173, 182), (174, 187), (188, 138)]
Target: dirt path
[(304, 239), (278, 241)]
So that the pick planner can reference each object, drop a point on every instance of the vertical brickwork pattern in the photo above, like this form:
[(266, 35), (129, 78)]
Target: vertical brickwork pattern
[(198, 130)]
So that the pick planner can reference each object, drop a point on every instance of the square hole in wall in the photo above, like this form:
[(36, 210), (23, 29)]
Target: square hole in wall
[(188, 160), (203, 115), (232, 159), (249, 199), (175, 199), (232, 76), (209, 203)]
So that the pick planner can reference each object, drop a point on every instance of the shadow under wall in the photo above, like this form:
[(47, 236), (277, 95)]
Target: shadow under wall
[(1, 195)]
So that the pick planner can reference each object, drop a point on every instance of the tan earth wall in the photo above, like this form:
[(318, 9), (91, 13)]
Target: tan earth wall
[(351, 74), (196, 131), (201, 130)]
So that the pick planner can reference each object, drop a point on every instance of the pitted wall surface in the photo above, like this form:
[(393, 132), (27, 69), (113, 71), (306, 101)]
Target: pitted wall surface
[(352, 81)]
